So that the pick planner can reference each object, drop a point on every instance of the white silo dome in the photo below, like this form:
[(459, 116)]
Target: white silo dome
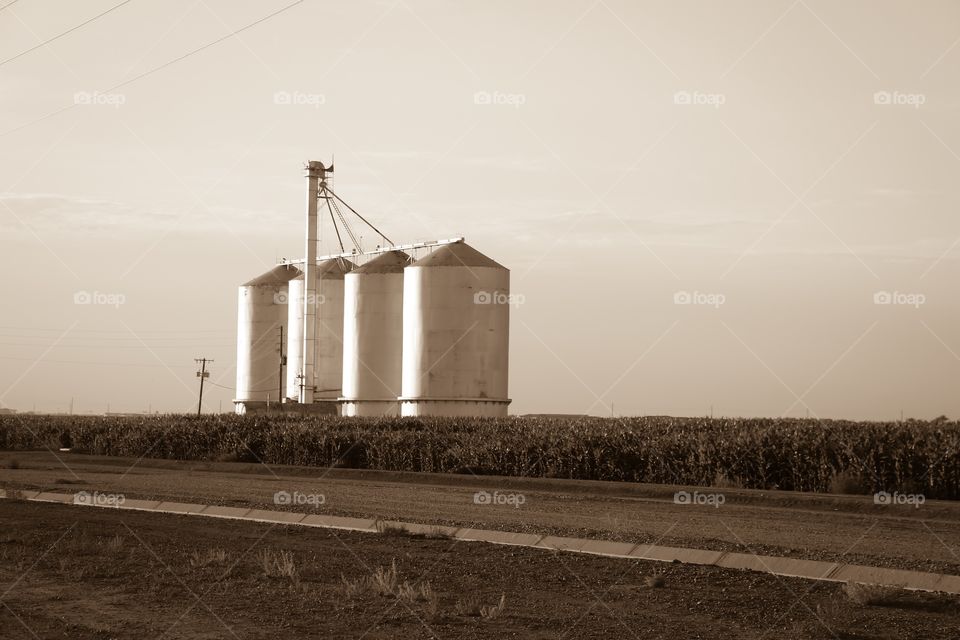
[(373, 336), (456, 326), (328, 345), (262, 310)]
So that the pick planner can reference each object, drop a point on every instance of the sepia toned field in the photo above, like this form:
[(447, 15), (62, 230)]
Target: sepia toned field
[(77, 572), (80, 572), (786, 454)]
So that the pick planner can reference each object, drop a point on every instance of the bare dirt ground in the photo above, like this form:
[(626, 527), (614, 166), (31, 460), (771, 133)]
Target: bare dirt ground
[(850, 529), (83, 573)]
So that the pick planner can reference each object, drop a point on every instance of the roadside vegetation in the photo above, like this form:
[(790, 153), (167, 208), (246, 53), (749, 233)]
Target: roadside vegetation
[(787, 454)]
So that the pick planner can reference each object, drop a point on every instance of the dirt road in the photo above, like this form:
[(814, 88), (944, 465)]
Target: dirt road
[(851, 529)]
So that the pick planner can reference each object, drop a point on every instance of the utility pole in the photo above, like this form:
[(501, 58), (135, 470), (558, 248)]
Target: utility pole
[(203, 373), (283, 361)]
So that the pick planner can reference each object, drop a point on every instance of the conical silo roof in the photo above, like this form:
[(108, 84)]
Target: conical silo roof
[(457, 254), (331, 269), (279, 275), (334, 268), (389, 262)]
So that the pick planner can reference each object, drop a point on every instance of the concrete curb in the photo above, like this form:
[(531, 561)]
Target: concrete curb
[(368, 525), (236, 513), (780, 566)]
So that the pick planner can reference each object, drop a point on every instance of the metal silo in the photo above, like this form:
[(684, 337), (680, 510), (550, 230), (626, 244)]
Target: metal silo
[(456, 321), (328, 340), (294, 338), (262, 311), (373, 336)]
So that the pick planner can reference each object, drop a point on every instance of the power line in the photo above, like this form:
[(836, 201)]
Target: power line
[(7, 5), (110, 364), (205, 46), (158, 68), (114, 346), (110, 338), (59, 330), (118, 337), (57, 37)]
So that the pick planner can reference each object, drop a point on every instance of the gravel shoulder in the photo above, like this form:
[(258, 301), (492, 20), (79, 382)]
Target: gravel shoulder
[(850, 529)]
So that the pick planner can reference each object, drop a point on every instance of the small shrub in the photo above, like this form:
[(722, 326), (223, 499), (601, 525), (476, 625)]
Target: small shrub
[(278, 564), (493, 612), (390, 529), (415, 592), (352, 588), (200, 559), (387, 582), (468, 606), (472, 606), (396, 529), (871, 595), (384, 581), (115, 543), (656, 581)]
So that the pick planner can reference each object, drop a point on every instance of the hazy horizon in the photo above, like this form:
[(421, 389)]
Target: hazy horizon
[(749, 208)]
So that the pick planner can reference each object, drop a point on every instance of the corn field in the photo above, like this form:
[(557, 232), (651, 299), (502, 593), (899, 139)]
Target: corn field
[(787, 454)]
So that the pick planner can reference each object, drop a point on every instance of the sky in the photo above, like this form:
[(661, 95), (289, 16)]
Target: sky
[(738, 208)]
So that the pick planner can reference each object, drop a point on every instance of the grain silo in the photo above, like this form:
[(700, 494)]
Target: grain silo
[(262, 315), (373, 336), (456, 321), (328, 342), (327, 311), (389, 337)]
